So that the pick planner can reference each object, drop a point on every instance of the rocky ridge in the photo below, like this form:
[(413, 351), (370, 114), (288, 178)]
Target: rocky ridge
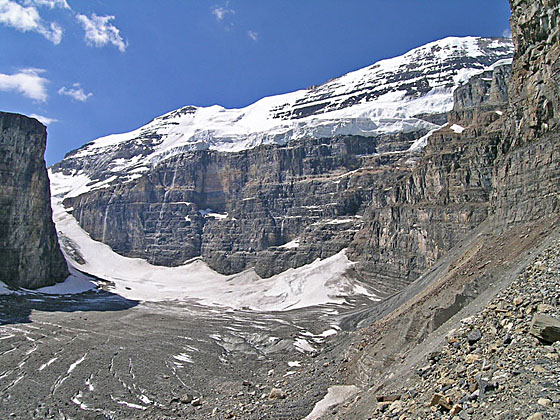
[(463, 328), (29, 252), (279, 206)]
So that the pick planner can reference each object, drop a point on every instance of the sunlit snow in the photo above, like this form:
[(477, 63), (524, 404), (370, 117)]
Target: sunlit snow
[(321, 282), (384, 108)]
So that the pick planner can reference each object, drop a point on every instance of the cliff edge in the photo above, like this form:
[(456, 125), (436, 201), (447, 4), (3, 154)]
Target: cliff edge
[(30, 256)]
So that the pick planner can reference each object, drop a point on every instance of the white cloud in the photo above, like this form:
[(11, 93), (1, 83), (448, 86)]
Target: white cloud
[(43, 119), (100, 32), (51, 4), (27, 19), (253, 35), (507, 33), (76, 92), (222, 12), (28, 82)]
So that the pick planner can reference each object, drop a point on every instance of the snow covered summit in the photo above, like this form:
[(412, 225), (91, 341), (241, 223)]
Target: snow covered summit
[(393, 95)]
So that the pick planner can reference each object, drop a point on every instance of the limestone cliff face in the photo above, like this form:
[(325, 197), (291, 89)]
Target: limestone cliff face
[(271, 207), (29, 253), (527, 173), (410, 224)]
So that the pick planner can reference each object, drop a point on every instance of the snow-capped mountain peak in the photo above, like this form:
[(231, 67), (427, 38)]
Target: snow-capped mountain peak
[(389, 96)]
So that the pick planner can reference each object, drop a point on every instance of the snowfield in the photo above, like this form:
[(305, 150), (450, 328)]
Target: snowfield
[(322, 282)]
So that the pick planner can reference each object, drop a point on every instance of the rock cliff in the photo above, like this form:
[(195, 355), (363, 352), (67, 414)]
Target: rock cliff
[(29, 253), (527, 172), (362, 183), (501, 273), (436, 203)]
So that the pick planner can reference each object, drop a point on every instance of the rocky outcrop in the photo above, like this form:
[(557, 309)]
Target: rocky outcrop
[(271, 207), (527, 172), (412, 223), (29, 253), (483, 295), (534, 107)]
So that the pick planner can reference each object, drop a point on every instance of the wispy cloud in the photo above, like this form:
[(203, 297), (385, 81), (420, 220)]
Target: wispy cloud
[(507, 33), (100, 32), (26, 19), (221, 12), (28, 82), (76, 92), (43, 119), (253, 35), (51, 4)]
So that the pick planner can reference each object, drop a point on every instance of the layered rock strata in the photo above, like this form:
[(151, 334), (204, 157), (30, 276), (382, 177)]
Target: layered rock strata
[(276, 206), (410, 224), (527, 173), (29, 253)]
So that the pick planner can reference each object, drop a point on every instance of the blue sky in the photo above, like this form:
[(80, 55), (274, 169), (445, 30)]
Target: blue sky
[(97, 67)]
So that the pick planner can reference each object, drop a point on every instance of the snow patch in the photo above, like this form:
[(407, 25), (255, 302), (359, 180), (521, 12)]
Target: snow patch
[(335, 395), (212, 213), (290, 245), (76, 363), (75, 283), (321, 282), (457, 128), (303, 346), (184, 357)]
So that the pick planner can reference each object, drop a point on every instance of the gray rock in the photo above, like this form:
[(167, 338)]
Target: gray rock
[(545, 328), (474, 336), (30, 256)]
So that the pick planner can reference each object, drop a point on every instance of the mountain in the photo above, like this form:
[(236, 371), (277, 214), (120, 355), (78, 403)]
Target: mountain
[(404, 94), (29, 252), (285, 180)]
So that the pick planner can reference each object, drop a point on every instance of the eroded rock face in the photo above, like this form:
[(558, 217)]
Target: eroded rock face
[(29, 253), (271, 207), (527, 172), (410, 224), (535, 92)]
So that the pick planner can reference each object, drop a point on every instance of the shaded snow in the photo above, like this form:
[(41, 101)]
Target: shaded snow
[(4, 289), (75, 283)]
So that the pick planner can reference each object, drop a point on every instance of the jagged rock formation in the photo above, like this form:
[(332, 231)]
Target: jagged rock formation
[(29, 253), (438, 202), (297, 194), (521, 202), (527, 173)]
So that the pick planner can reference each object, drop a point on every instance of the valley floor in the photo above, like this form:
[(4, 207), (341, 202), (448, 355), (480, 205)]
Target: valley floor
[(100, 356)]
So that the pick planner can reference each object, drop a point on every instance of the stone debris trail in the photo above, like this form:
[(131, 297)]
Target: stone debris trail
[(493, 365)]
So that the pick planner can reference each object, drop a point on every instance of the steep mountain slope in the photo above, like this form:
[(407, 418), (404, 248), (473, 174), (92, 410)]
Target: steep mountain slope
[(29, 253), (493, 282), (279, 183)]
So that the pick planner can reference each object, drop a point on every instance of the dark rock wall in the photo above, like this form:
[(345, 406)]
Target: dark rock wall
[(412, 223), (527, 172), (534, 87), (271, 194), (29, 253)]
